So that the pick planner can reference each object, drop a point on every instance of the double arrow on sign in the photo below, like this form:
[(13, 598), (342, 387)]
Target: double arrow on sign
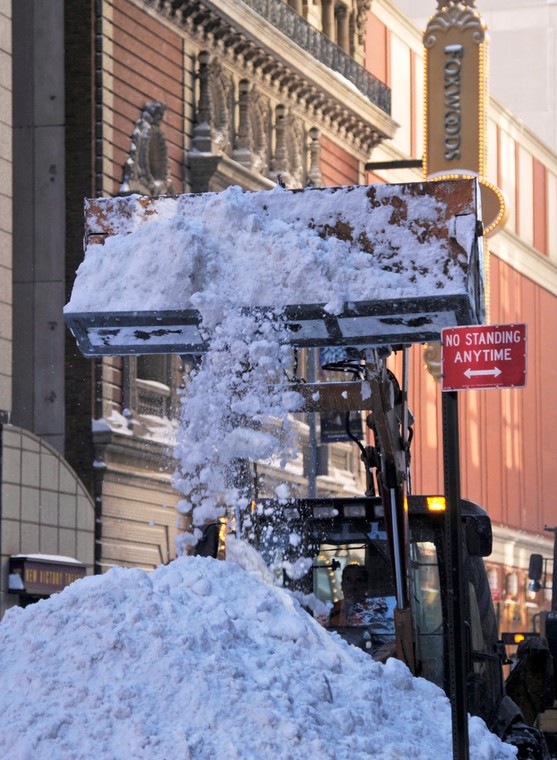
[(477, 372)]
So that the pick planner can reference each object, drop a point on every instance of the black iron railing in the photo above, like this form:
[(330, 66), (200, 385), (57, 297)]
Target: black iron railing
[(290, 23)]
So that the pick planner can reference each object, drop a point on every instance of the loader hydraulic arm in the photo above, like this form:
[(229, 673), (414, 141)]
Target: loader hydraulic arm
[(389, 421), (377, 389)]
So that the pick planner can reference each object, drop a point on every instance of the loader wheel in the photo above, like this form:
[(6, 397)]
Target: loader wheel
[(529, 741)]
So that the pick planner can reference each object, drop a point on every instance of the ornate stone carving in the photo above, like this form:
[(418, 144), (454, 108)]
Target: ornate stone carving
[(242, 143), (314, 173), (260, 118), (432, 359), (255, 60), (201, 161), (201, 139), (362, 7), (222, 102), (296, 142), (445, 3), (146, 170), (460, 14), (279, 163), (288, 161)]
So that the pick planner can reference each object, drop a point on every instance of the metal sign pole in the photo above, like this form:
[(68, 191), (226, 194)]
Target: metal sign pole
[(554, 584), (456, 642), (312, 424)]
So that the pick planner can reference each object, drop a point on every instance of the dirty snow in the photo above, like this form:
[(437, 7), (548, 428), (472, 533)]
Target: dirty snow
[(203, 660), (270, 248)]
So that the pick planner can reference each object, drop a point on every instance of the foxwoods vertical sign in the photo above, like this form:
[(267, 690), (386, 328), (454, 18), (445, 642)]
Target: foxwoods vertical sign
[(456, 54)]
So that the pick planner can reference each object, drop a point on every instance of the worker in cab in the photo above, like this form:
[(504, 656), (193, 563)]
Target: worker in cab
[(354, 585), (363, 619)]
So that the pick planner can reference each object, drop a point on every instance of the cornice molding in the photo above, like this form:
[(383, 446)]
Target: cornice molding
[(399, 23), (235, 32), (131, 454), (511, 249), (522, 134), (512, 547), (231, 172)]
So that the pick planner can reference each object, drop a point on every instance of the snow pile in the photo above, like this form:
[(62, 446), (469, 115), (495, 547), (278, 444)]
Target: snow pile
[(202, 660)]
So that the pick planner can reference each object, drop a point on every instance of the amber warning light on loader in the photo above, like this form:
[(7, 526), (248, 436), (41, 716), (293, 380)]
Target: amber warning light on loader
[(483, 356), (517, 637), (436, 503)]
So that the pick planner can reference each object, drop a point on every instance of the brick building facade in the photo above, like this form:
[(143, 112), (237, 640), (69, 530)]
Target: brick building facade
[(160, 97)]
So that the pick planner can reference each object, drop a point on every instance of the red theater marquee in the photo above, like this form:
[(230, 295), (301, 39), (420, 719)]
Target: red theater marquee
[(483, 356)]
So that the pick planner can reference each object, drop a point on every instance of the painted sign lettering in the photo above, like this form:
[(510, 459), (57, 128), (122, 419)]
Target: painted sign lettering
[(452, 86)]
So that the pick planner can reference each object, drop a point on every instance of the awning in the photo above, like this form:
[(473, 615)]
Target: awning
[(42, 574)]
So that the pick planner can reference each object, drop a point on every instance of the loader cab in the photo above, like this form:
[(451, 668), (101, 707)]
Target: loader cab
[(325, 536)]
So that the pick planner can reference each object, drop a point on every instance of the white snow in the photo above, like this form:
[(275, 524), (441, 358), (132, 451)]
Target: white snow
[(272, 248), (218, 253), (233, 408), (206, 659), (203, 660)]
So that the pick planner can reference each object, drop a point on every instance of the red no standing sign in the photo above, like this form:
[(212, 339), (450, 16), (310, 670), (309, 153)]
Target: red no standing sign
[(483, 356)]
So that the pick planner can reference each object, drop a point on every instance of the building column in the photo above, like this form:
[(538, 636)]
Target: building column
[(39, 194), (314, 173), (279, 164), (328, 18), (201, 139), (343, 28), (241, 152)]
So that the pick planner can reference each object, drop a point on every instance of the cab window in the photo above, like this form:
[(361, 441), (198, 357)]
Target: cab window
[(427, 610)]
